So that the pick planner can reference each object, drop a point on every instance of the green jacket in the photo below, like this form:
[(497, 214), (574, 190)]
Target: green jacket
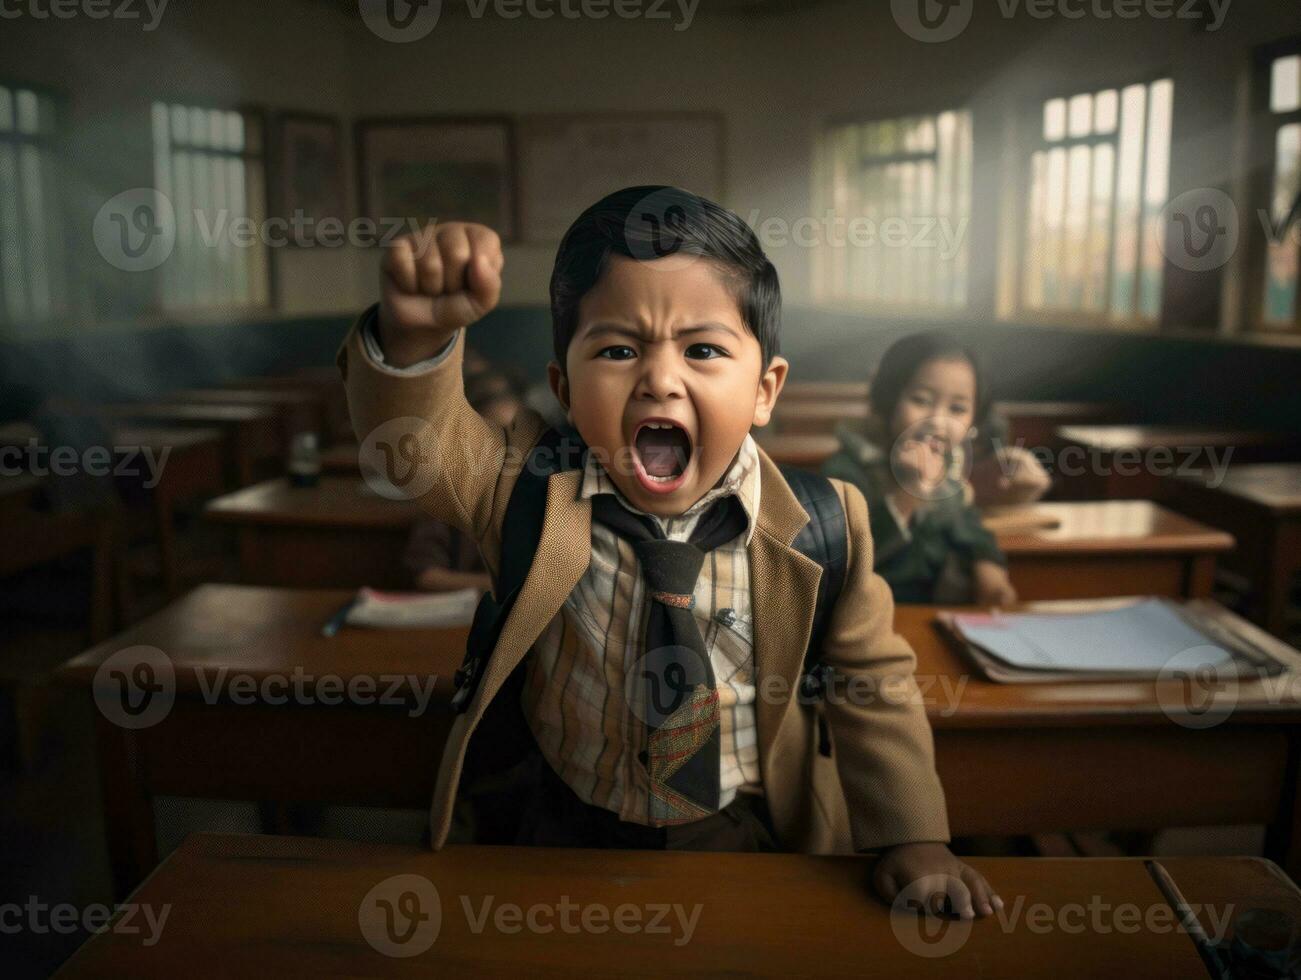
[(946, 537)]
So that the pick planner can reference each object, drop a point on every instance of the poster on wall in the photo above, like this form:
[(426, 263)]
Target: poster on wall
[(309, 172), (567, 162), (438, 169)]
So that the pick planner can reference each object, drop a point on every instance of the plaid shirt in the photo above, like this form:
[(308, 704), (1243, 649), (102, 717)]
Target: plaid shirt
[(574, 694)]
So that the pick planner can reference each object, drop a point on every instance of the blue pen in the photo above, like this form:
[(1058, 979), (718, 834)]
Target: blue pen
[(335, 622)]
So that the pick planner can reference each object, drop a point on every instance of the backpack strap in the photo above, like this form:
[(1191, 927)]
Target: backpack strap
[(824, 539), (521, 532)]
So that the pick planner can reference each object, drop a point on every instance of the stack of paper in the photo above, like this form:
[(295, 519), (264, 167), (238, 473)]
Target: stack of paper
[(1141, 638), (413, 610)]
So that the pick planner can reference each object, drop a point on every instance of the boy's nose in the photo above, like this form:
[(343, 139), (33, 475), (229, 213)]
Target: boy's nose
[(660, 379)]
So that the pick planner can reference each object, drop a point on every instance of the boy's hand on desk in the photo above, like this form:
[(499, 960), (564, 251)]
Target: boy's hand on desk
[(933, 881), (433, 283), (993, 587)]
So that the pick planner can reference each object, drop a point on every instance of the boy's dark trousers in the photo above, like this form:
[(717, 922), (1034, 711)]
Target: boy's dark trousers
[(558, 818)]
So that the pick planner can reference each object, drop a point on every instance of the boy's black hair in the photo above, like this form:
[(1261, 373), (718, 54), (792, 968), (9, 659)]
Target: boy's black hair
[(905, 358), (651, 222)]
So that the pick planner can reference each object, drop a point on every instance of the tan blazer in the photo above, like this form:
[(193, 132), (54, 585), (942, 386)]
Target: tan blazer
[(878, 788)]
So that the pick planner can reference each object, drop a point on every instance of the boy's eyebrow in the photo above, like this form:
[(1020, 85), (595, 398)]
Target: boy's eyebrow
[(618, 329)]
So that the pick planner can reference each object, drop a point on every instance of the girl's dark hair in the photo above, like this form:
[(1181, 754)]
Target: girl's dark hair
[(905, 358), (652, 222)]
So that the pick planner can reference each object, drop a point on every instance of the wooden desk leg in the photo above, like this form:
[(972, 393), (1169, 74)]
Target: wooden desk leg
[(1276, 588), (129, 828), (165, 525), (1282, 839), (1201, 577), (104, 567)]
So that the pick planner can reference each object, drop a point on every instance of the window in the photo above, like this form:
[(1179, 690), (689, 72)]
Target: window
[(32, 268), (902, 189), (210, 164), (1279, 307), (1098, 179)]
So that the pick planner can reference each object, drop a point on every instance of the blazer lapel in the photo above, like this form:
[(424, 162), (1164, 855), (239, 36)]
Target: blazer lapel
[(564, 551), (784, 586)]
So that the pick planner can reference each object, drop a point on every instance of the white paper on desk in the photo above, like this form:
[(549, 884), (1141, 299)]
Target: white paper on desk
[(1144, 637), (413, 610)]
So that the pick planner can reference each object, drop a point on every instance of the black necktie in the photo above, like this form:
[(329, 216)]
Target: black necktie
[(673, 688)]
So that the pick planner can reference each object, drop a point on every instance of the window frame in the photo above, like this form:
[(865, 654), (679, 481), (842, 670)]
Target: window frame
[(263, 115), (823, 196), (57, 145), (1264, 126), (1030, 139)]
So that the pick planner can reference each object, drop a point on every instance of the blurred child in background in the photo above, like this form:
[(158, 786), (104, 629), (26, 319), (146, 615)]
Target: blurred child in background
[(928, 404)]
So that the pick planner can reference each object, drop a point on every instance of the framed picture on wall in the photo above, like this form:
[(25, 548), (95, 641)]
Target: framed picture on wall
[(570, 161), (309, 185), (438, 168)]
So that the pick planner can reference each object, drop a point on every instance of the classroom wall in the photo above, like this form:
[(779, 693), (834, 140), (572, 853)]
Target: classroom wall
[(775, 78)]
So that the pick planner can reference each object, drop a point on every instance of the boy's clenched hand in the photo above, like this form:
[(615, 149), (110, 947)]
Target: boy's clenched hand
[(433, 283)]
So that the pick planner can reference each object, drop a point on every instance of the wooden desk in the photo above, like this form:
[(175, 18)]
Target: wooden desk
[(190, 465), (1119, 462), (315, 748), (300, 409), (296, 907), (341, 459), (326, 383), (1035, 424), (35, 537), (336, 534), (1261, 507), (792, 416), (252, 434), (1113, 547), (1029, 758), (808, 451), (825, 390)]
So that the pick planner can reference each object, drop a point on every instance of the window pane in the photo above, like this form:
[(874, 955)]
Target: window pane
[(1054, 119), (1105, 108), (1285, 87), (27, 112), (6, 110), (1282, 251), (11, 261), (1158, 185), (1081, 115)]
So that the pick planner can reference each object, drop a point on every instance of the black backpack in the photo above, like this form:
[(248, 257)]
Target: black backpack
[(823, 539)]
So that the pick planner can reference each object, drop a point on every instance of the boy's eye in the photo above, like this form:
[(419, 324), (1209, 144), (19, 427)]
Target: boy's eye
[(618, 353), (705, 352)]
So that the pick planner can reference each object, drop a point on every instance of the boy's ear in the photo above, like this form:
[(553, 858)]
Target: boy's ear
[(559, 384), (770, 386)]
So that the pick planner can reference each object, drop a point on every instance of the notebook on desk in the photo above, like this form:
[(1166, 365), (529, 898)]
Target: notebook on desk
[(1126, 640)]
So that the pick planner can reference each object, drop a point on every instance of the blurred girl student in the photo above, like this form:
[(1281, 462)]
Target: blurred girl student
[(928, 403)]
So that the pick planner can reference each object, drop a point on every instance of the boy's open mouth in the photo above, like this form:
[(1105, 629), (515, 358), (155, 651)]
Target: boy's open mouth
[(662, 452)]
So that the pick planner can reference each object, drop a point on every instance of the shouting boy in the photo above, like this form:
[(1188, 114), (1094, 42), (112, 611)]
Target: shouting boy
[(639, 676)]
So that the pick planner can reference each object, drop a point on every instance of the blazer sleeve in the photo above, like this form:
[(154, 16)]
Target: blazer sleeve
[(884, 748), (459, 457)]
